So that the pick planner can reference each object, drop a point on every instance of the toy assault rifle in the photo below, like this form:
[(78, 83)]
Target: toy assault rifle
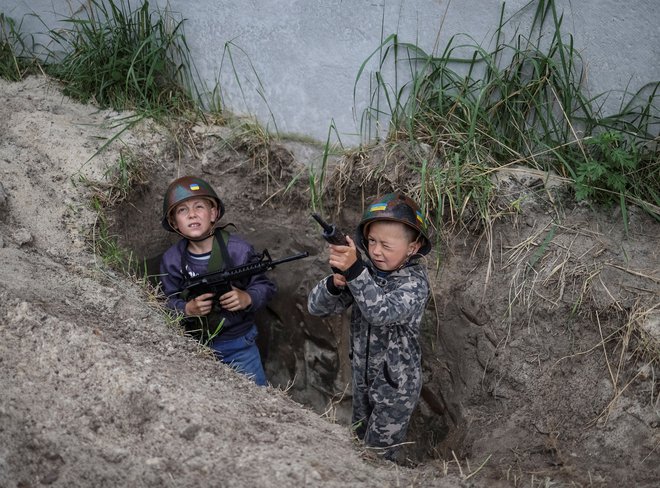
[(219, 282)]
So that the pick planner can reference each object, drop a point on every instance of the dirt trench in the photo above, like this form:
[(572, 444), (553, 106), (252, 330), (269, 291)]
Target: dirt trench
[(514, 376), (306, 356)]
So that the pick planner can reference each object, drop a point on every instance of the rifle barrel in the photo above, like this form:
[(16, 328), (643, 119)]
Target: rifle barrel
[(326, 227), (289, 258)]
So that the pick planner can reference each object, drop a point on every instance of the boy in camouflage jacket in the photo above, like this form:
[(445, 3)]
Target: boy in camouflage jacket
[(388, 292)]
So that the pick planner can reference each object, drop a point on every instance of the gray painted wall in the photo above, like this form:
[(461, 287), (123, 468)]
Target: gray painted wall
[(296, 61)]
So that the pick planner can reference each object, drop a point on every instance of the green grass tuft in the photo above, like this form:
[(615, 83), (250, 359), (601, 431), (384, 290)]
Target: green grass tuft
[(124, 58), (16, 59), (521, 102)]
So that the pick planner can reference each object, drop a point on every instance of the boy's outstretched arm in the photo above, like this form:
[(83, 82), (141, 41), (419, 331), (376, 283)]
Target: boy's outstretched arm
[(326, 299), (330, 295)]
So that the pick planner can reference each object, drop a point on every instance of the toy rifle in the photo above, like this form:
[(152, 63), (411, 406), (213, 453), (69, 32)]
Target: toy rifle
[(332, 235), (219, 282)]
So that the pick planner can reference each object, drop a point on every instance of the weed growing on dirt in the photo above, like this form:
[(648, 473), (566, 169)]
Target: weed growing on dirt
[(134, 59), (635, 350), (16, 59), (121, 180), (254, 139), (330, 412), (550, 270), (317, 176), (270, 160), (105, 246), (617, 169), (521, 102), (125, 58)]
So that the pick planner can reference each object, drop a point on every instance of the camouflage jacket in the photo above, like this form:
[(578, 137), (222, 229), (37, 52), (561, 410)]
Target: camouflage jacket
[(385, 322)]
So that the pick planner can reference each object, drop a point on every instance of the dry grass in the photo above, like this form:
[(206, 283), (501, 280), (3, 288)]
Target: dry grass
[(558, 267), (635, 349), (330, 412), (549, 270), (370, 171), (121, 180)]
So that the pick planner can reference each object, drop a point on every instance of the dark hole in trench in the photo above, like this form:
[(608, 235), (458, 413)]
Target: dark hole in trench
[(306, 356)]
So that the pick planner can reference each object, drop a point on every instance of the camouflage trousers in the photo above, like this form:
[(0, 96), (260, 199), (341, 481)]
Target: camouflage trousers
[(382, 412)]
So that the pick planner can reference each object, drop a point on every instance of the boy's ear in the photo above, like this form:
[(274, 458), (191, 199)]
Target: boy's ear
[(214, 213), (413, 247)]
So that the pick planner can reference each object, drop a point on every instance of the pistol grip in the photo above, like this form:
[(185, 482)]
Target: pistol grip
[(221, 290), (336, 240)]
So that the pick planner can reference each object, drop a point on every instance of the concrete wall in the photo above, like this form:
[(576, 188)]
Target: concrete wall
[(295, 62)]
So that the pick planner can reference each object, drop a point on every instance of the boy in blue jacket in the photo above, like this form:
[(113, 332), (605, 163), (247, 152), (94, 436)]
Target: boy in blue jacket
[(192, 209)]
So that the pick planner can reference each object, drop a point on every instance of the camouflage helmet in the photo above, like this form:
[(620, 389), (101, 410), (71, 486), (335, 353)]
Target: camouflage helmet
[(183, 189), (396, 207)]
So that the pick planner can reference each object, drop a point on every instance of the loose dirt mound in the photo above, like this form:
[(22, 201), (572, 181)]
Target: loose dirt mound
[(541, 356)]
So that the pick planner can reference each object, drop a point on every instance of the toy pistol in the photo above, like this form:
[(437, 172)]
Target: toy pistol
[(332, 235)]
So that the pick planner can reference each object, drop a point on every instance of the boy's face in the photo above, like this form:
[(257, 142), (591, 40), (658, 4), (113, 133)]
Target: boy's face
[(388, 244), (195, 217)]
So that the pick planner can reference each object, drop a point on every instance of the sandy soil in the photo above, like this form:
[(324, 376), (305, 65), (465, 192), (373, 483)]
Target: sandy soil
[(542, 365)]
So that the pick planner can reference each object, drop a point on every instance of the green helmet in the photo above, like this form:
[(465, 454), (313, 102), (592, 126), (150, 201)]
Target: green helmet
[(396, 207), (183, 189)]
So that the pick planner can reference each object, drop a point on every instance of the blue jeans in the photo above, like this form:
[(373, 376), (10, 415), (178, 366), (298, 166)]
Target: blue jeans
[(242, 354)]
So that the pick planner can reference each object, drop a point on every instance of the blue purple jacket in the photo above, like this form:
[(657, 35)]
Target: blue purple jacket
[(259, 287)]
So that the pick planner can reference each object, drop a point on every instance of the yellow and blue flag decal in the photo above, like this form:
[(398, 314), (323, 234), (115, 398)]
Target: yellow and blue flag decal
[(194, 186), (376, 207), (420, 218)]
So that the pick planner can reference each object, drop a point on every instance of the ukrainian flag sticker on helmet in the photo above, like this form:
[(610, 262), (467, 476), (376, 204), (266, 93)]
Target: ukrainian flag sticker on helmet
[(376, 207), (420, 218), (194, 186)]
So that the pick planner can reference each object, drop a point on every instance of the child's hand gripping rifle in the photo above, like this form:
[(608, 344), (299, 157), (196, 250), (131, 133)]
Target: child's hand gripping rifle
[(219, 282), (332, 235)]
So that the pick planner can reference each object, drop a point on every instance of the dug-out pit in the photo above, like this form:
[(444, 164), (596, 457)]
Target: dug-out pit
[(305, 355)]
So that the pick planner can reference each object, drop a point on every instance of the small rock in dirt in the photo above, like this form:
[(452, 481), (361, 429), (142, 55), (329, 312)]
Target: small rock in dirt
[(114, 455), (190, 432), (22, 237), (3, 197), (50, 477)]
